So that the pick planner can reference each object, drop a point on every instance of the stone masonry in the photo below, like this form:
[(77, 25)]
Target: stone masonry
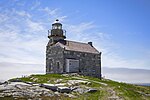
[(64, 56)]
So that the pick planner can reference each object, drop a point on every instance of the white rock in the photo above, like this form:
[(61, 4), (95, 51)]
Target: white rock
[(91, 90), (49, 86), (58, 80), (20, 83), (64, 89), (76, 82), (70, 95), (60, 85)]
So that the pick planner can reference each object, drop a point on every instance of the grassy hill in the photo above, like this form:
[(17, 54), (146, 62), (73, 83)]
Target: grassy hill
[(106, 89)]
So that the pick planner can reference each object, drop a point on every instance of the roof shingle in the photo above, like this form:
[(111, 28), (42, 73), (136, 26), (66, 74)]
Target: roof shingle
[(78, 46)]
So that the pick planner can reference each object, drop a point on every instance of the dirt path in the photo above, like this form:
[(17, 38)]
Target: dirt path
[(112, 95)]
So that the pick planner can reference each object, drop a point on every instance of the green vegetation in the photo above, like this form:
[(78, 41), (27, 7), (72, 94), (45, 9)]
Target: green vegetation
[(122, 91), (41, 78)]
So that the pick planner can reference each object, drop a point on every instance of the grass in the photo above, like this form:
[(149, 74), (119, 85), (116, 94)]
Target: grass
[(92, 96), (41, 78), (129, 91)]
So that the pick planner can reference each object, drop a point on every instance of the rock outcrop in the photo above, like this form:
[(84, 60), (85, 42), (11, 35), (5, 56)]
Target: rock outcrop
[(32, 90)]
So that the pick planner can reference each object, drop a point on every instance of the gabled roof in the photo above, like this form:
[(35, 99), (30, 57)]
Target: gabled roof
[(78, 46)]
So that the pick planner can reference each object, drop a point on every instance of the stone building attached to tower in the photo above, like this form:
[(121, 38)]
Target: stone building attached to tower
[(64, 56)]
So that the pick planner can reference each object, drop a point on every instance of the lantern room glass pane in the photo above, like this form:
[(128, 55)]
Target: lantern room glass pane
[(59, 27), (56, 27)]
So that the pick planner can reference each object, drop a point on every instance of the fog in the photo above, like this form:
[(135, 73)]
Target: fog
[(127, 75), (13, 70)]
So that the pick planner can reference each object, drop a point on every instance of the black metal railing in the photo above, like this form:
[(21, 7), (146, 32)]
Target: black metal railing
[(50, 34)]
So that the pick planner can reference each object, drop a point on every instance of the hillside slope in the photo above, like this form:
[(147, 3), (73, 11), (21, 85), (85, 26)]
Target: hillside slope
[(72, 86)]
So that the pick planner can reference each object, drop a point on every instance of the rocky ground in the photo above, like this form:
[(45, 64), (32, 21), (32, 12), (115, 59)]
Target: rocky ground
[(31, 90), (62, 87)]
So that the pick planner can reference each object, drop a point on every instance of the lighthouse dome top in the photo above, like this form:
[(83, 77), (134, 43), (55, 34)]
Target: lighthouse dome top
[(56, 25), (57, 21)]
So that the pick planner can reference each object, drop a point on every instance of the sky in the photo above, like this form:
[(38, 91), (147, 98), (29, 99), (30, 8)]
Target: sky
[(120, 29)]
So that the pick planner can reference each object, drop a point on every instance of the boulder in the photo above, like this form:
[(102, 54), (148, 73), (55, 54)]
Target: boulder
[(35, 79), (58, 80), (19, 83), (74, 88), (80, 90), (2, 82), (60, 84), (35, 84), (91, 90), (49, 86), (15, 80), (77, 82), (64, 89), (21, 90), (70, 95), (31, 83)]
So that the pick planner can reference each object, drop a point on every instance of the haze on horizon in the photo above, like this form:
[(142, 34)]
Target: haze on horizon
[(120, 29)]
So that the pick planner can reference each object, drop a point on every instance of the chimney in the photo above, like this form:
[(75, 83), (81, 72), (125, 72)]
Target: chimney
[(90, 43)]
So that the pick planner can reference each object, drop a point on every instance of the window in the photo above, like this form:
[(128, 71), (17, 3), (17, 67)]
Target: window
[(58, 65), (99, 57), (69, 63), (94, 56), (49, 68), (59, 27), (50, 40), (50, 65), (54, 27)]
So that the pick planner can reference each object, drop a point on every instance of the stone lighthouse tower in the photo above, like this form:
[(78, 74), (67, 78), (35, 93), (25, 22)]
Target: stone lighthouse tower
[(56, 33)]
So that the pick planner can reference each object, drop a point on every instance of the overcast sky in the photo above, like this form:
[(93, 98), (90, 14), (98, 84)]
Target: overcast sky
[(120, 29)]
